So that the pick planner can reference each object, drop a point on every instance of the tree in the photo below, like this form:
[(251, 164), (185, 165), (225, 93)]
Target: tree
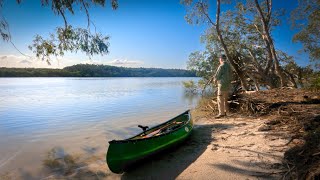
[(306, 18), (203, 63), (67, 37), (199, 13), (265, 18), (244, 34)]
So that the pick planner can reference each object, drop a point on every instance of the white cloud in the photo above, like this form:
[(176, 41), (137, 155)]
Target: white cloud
[(124, 62), (14, 61), (25, 62), (115, 62)]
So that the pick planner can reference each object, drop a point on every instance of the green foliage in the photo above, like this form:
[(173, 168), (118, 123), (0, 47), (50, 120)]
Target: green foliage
[(203, 63), (301, 75), (67, 38), (315, 81), (4, 29), (190, 86), (196, 11), (246, 35), (201, 83), (195, 88), (306, 18), (90, 70)]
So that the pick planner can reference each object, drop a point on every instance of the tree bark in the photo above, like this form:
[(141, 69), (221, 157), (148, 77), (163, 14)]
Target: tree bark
[(256, 84), (291, 77), (263, 73), (268, 40)]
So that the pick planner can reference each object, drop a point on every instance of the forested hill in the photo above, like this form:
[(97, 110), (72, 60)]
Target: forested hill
[(91, 70)]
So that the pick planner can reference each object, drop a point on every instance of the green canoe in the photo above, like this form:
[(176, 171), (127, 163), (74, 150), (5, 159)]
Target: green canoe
[(124, 153)]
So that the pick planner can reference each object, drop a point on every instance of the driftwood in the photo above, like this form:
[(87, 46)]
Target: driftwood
[(315, 154)]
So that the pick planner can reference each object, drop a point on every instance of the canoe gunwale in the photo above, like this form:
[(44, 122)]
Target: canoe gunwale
[(153, 137)]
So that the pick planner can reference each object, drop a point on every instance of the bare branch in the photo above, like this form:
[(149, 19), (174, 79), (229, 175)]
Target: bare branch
[(258, 30), (18, 49), (95, 27)]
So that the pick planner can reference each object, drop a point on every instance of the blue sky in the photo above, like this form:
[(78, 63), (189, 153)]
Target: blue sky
[(147, 33)]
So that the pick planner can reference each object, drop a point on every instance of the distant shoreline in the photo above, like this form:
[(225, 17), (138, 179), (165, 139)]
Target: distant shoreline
[(91, 70), (101, 77)]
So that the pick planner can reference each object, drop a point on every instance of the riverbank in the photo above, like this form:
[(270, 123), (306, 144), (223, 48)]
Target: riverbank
[(94, 70), (270, 135), (275, 134), (228, 148)]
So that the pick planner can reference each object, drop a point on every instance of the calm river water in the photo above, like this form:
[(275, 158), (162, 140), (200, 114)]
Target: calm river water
[(77, 114)]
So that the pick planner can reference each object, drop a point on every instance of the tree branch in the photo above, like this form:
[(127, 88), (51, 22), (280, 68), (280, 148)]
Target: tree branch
[(64, 18), (258, 66), (270, 45), (291, 77), (206, 14), (205, 86), (260, 12), (258, 30), (87, 13), (269, 6)]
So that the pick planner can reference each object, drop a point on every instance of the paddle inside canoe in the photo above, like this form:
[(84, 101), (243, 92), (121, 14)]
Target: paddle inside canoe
[(123, 153)]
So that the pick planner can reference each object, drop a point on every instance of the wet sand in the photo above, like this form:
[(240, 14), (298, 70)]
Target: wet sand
[(227, 148)]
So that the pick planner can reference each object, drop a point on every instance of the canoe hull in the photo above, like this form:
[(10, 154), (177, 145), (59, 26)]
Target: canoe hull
[(122, 154)]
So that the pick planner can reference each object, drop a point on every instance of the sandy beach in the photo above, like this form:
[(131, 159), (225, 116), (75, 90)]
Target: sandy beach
[(229, 148), (282, 143)]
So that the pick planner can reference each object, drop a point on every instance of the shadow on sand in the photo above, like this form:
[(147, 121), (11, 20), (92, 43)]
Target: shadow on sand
[(169, 164)]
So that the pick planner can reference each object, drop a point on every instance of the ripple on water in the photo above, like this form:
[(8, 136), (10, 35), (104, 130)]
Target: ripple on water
[(37, 114)]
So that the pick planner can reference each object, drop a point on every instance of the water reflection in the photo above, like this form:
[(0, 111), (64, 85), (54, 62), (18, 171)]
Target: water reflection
[(37, 114)]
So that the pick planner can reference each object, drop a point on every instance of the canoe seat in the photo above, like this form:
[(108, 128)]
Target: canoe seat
[(144, 128)]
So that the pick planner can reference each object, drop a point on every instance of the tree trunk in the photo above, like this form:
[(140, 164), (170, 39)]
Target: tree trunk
[(263, 73), (269, 42), (230, 59), (291, 77), (256, 84), (300, 78)]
